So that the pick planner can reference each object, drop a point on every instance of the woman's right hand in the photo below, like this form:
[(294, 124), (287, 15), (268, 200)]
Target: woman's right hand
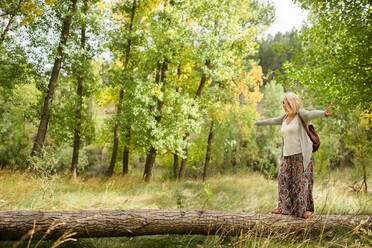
[(328, 110)]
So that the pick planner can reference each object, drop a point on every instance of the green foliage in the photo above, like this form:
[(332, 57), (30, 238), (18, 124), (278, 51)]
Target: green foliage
[(335, 62), (17, 111), (275, 51)]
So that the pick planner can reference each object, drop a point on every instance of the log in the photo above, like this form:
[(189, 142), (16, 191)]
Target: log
[(17, 225)]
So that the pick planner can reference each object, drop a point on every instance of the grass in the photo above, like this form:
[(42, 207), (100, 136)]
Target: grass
[(246, 191)]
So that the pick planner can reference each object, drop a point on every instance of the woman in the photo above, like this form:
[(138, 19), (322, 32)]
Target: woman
[(295, 177)]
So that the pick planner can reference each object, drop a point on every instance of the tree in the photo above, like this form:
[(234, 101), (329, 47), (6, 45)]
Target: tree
[(334, 64), (77, 137), (129, 37), (275, 51), (227, 28), (335, 59), (43, 126)]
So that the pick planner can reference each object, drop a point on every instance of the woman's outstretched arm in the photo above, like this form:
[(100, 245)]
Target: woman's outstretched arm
[(312, 114), (272, 121)]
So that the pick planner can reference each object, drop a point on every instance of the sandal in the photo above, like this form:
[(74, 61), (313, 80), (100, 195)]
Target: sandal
[(276, 211), (307, 214)]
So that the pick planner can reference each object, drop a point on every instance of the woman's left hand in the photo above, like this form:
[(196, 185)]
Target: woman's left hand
[(328, 110)]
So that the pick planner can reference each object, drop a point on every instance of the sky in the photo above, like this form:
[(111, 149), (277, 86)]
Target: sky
[(288, 15)]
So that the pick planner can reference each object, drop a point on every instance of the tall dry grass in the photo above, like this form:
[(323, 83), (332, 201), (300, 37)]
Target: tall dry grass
[(334, 193)]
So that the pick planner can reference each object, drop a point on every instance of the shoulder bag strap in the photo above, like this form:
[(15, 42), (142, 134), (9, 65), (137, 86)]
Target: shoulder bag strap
[(303, 123)]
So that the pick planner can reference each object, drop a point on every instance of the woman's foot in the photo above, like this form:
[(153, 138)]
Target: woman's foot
[(307, 214), (276, 211)]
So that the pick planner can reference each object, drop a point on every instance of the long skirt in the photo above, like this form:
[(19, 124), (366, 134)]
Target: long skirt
[(295, 186)]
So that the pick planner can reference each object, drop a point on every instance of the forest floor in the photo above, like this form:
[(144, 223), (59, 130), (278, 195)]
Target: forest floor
[(334, 193)]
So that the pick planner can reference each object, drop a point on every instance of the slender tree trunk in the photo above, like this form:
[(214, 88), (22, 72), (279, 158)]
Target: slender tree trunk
[(10, 22), (2, 38), (175, 165), (125, 160), (208, 155), (342, 141), (182, 172), (111, 168), (181, 175), (150, 159), (75, 153), (126, 152), (342, 148), (42, 130), (203, 80), (17, 225), (362, 156)]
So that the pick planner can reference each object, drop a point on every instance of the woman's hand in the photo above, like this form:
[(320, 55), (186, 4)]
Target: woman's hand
[(328, 110)]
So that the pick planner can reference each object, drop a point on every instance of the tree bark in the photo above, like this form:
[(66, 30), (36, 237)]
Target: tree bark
[(175, 165), (42, 130), (111, 168), (208, 155), (75, 153), (125, 160), (149, 165), (126, 150), (181, 175), (126, 154), (16, 225)]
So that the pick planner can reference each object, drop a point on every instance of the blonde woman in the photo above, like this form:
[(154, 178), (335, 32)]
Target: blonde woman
[(295, 177)]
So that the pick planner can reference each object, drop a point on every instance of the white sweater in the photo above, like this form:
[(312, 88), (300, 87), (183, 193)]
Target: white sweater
[(306, 144), (291, 137)]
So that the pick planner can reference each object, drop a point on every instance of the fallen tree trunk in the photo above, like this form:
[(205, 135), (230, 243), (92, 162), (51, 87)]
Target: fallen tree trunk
[(16, 225)]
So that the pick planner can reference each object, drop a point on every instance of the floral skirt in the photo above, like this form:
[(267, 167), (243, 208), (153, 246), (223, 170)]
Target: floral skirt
[(295, 186)]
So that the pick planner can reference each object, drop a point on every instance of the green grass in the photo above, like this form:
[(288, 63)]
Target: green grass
[(246, 191)]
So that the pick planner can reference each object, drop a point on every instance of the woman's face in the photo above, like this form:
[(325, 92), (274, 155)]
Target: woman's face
[(285, 105)]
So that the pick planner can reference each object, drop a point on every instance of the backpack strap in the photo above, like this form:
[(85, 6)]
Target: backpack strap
[(304, 124)]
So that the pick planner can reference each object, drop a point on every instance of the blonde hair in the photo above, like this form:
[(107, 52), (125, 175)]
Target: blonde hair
[(293, 102)]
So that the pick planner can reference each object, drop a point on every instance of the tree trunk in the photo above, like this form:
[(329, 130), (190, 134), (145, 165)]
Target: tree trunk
[(175, 165), (15, 225), (342, 141), (75, 153), (150, 159), (42, 130), (342, 148), (2, 38), (208, 156), (125, 160), (10, 22), (111, 168), (203, 80), (126, 152), (181, 175)]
